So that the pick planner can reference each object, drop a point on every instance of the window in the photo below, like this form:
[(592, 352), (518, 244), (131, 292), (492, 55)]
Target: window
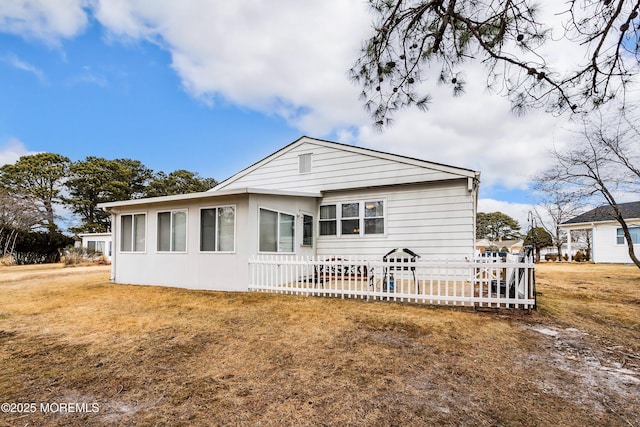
[(633, 231), (352, 216), (304, 163), (307, 230), (132, 233), (95, 246), (374, 217), (276, 231), (217, 229), (328, 220), (350, 223), (172, 231)]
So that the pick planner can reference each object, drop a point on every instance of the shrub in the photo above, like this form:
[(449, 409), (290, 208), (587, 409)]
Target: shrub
[(579, 257), (78, 256), (7, 260), (551, 257), (565, 257)]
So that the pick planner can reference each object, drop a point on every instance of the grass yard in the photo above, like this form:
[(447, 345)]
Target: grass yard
[(138, 355)]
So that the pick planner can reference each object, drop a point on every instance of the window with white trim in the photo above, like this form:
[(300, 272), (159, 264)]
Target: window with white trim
[(132, 232), (328, 220), (633, 231), (172, 231), (277, 231), (348, 218), (218, 229)]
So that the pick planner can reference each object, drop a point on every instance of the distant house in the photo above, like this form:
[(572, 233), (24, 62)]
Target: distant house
[(97, 243), (512, 246), (607, 241), (310, 198)]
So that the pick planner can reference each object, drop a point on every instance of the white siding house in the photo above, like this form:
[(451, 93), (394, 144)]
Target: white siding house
[(608, 244), (311, 198), (97, 243)]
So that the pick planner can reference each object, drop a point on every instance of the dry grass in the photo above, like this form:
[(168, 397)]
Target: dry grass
[(163, 356)]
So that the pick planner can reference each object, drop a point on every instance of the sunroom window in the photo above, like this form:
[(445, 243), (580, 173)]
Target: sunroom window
[(132, 233), (217, 229), (172, 231), (277, 231)]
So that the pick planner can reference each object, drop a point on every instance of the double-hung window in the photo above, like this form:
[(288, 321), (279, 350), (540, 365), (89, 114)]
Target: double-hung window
[(277, 231), (374, 217), (172, 231), (633, 231), (357, 218), (328, 220), (350, 222), (218, 229), (132, 232)]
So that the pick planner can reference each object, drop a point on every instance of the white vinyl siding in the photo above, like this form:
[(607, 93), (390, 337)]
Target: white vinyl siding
[(434, 220), (336, 169), (172, 231), (132, 233)]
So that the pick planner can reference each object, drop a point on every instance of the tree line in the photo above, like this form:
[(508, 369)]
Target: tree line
[(32, 187), (498, 226)]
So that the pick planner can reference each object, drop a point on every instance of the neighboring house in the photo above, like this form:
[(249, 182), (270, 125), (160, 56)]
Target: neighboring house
[(607, 239), (311, 198), (97, 242), (513, 246)]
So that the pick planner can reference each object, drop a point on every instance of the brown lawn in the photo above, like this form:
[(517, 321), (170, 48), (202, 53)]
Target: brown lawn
[(139, 355)]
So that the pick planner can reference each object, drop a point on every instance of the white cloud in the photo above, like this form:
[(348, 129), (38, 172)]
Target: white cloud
[(46, 20), (12, 150), (18, 63), (476, 130), (291, 59), (288, 58)]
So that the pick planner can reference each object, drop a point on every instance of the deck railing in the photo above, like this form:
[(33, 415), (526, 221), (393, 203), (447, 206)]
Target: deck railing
[(478, 282)]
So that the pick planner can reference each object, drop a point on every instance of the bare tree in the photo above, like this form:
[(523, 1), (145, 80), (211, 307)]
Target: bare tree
[(554, 207), (603, 165), (509, 38)]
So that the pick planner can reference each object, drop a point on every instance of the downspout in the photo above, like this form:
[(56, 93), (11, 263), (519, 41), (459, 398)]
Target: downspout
[(473, 185)]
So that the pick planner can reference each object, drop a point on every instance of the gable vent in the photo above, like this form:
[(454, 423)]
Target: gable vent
[(304, 163)]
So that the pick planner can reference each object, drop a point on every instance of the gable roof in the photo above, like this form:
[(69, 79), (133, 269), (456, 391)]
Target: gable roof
[(605, 213), (348, 149)]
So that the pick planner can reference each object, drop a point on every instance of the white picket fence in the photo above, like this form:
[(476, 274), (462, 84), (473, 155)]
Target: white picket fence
[(478, 282)]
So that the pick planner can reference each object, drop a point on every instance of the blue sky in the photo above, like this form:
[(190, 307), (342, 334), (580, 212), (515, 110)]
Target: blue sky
[(114, 100), (212, 87)]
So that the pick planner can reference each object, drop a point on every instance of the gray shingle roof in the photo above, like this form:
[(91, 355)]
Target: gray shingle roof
[(605, 213)]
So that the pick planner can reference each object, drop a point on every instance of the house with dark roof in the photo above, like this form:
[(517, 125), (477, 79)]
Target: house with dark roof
[(310, 198), (608, 243)]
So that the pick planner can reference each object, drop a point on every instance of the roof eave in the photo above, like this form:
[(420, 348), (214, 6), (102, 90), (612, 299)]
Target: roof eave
[(206, 195)]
